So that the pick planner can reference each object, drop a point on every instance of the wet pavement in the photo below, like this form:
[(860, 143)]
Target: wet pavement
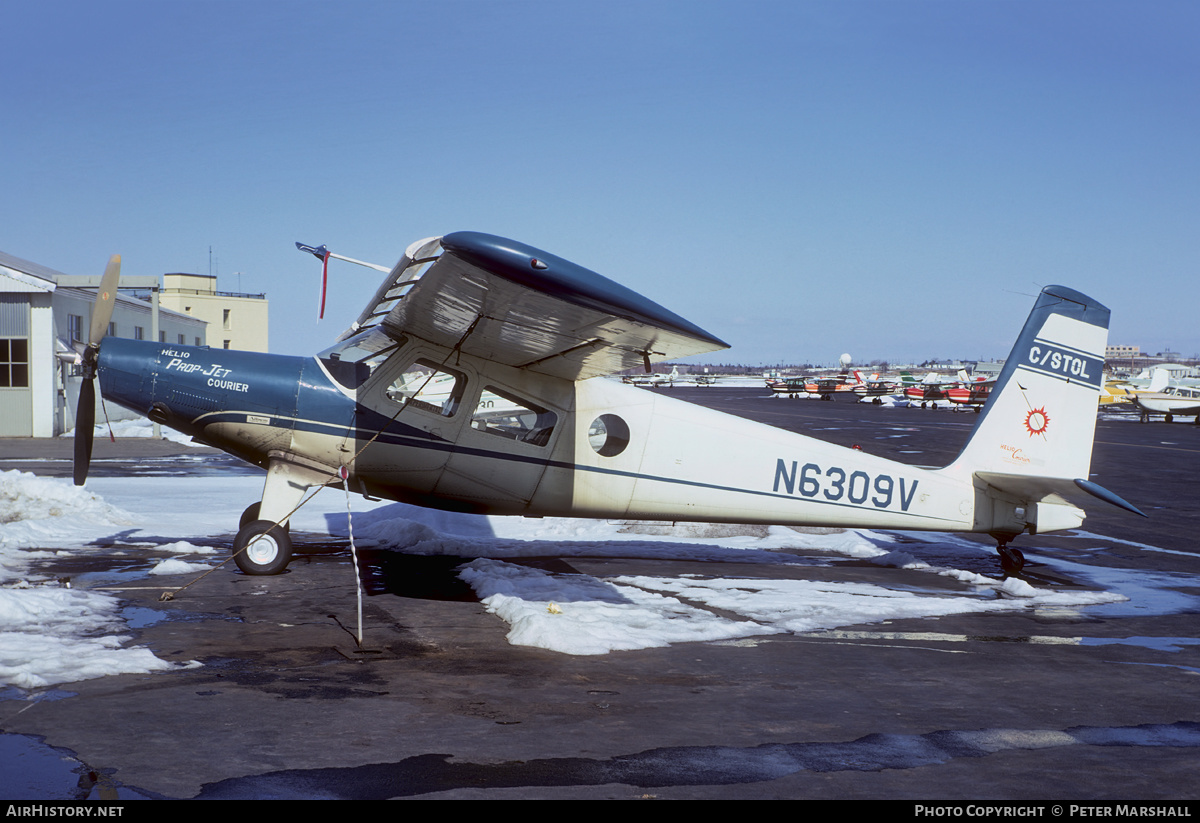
[(1084, 703)]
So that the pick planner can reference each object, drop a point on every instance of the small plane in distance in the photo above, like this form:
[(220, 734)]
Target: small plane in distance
[(873, 387), (823, 388), (485, 319), (971, 394), (653, 378), (1171, 402)]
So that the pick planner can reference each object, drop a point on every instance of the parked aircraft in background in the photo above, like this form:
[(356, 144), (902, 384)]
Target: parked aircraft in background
[(1171, 402), (654, 379), (482, 317), (970, 393), (926, 391), (873, 387)]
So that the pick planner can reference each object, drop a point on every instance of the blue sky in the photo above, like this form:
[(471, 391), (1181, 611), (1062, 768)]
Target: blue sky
[(891, 179)]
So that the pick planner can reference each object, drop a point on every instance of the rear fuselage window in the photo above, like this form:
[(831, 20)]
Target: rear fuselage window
[(504, 415)]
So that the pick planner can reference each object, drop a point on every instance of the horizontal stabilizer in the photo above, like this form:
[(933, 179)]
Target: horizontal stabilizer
[(1108, 497), (1035, 489)]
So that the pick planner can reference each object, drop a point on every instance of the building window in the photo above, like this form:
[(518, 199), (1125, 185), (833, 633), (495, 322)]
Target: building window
[(139, 333), (225, 318), (162, 337), (14, 363), (181, 339), (197, 341), (75, 328)]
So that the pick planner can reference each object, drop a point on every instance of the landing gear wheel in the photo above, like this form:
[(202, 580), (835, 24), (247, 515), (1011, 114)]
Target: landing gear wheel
[(261, 548), (251, 514), (1011, 560)]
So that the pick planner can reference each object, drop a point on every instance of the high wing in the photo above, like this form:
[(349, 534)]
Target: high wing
[(516, 305)]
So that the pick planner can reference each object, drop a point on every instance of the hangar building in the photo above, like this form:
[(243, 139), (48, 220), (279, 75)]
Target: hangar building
[(43, 310)]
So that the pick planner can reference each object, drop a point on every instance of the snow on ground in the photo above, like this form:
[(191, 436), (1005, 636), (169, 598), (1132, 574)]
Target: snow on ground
[(50, 634)]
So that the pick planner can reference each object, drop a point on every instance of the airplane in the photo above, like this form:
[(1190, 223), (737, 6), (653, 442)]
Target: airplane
[(823, 387), (873, 388), (1124, 391), (970, 393), (653, 379), (926, 391), (494, 317), (1172, 401)]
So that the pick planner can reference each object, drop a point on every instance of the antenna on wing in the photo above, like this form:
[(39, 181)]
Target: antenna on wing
[(323, 254)]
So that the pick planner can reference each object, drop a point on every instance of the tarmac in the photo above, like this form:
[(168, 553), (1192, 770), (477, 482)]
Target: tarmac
[(1055, 706)]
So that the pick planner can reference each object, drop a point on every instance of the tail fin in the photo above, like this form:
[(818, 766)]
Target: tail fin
[(1032, 445), (1159, 380), (1041, 415)]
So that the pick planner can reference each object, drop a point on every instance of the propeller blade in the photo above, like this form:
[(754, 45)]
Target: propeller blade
[(85, 426), (85, 414), (106, 298)]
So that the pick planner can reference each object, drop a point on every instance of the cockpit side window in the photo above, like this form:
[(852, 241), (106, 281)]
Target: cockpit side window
[(352, 362), (428, 386)]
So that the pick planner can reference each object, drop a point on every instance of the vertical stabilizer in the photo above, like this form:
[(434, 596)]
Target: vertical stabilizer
[(1041, 417)]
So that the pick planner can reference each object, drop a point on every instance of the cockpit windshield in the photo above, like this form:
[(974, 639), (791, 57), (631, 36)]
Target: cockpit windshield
[(351, 362)]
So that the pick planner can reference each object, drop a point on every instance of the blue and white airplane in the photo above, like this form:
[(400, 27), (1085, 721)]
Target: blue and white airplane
[(470, 383)]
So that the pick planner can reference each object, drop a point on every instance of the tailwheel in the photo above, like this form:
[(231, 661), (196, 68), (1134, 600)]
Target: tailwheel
[(1011, 560), (262, 547)]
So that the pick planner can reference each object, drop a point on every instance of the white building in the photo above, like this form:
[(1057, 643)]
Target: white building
[(41, 312)]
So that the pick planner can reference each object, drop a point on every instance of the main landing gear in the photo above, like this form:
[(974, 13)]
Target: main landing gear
[(264, 544), (261, 546)]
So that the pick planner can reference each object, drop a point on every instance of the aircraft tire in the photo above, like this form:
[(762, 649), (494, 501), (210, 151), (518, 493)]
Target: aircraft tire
[(270, 553), (251, 514), (1011, 560)]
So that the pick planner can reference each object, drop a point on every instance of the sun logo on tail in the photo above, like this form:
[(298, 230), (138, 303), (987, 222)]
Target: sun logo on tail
[(1036, 421)]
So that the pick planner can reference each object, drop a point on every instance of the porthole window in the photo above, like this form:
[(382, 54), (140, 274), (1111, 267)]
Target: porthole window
[(608, 435)]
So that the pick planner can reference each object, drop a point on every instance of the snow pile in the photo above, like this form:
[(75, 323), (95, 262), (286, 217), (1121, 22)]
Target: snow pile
[(36, 510), (579, 614), (56, 635)]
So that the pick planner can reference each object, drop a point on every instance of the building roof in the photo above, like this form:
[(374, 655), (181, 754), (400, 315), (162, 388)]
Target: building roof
[(18, 264)]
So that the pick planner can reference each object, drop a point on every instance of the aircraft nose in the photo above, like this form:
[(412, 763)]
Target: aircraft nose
[(126, 370)]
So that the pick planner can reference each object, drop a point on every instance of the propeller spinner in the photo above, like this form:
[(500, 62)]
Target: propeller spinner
[(85, 413)]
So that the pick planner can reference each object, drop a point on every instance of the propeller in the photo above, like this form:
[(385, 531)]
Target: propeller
[(85, 412)]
